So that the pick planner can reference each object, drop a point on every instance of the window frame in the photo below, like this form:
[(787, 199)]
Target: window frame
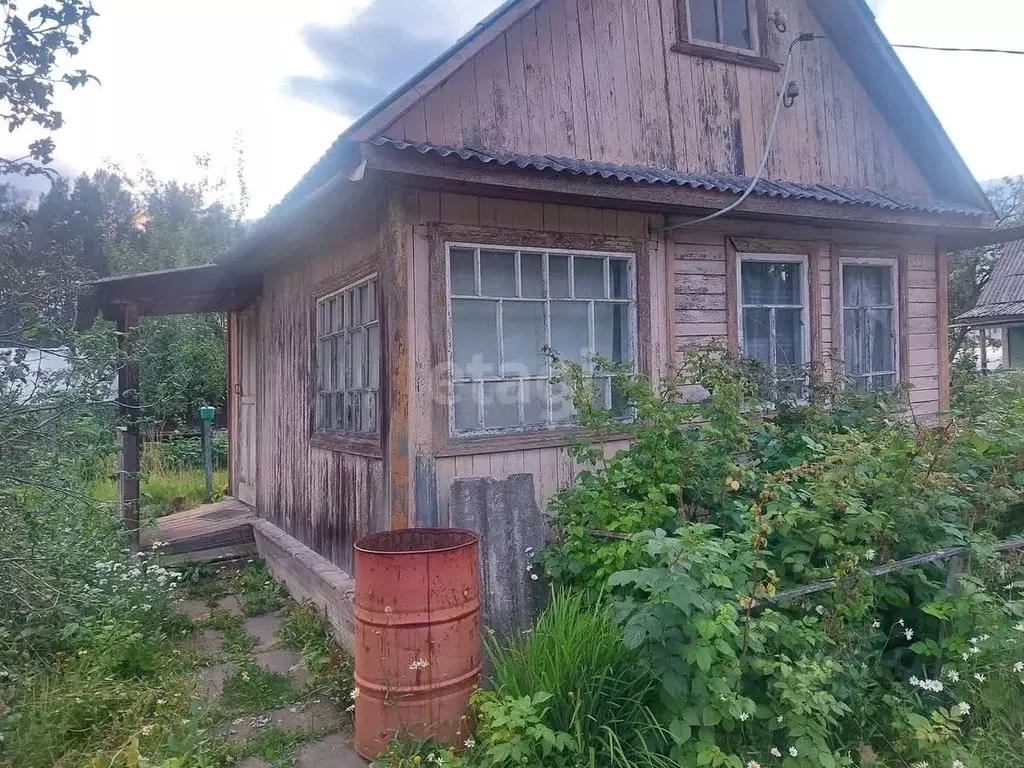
[(549, 429), (805, 297), (893, 266), (754, 56), (334, 438)]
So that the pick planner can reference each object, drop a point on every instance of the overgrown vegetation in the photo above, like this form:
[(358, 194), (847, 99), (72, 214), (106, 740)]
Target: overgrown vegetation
[(719, 506)]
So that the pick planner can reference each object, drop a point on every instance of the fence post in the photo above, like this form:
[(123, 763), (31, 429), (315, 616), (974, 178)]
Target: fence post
[(954, 567), (206, 414)]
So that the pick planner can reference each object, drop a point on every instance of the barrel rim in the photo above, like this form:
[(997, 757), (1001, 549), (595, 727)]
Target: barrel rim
[(364, 545)]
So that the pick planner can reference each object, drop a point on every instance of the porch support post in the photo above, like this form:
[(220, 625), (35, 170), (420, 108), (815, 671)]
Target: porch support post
[(131, 445)]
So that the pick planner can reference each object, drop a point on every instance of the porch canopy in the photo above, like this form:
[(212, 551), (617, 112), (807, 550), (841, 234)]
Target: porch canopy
[(207, 288)]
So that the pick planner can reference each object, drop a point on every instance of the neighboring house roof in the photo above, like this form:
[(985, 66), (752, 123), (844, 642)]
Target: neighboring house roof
[(875, 63), (712, 182), (1003, 295)]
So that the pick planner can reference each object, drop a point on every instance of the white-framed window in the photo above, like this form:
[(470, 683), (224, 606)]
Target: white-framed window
[(348, 359), (725, 23), (506, 305), (773, 317), (870, 323)]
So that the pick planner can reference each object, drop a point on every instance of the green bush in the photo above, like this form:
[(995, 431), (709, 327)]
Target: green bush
[(187, 453)]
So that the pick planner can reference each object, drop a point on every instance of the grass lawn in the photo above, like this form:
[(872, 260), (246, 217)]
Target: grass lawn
[(168, 491)]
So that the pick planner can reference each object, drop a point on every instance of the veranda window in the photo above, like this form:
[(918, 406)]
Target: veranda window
[(869, 325), (773, 316), (721, 22), (348, 359), (506, 305)]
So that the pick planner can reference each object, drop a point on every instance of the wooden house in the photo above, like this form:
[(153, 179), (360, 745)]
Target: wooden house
[(1000, 307), (536, 185)]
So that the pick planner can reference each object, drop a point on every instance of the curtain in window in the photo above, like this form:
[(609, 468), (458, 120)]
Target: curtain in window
[(869, 335)]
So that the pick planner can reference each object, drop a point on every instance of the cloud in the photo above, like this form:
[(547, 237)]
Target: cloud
[(379, 49)]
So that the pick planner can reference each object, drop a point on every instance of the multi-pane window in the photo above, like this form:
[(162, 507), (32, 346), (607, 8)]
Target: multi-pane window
[(773, 316), (721, 22), (348, 359), (507, 305), (869, 325)]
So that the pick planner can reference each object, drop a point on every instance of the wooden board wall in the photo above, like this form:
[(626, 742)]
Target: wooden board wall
[(324, 498), (597, 79)]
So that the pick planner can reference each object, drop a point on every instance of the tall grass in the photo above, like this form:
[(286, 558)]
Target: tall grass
[(602, 692)]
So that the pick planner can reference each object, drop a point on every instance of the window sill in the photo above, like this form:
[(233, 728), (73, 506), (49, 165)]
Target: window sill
[(469, 446), (342, 442), (726, 54)]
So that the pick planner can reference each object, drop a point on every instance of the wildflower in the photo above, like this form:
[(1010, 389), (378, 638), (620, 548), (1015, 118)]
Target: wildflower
[(533, 576), (779, 718), (792, 752), (953, 675), (876, 625), (922, 764), (775, 752), (753, 764), (963, 708), (1018, 667), (909, 634), (419, 664), (914, 681), (470, 743), (1019, 626), (160, 702), (355, 693), (744, 717), (958, 764), (900, 622), (820, 610), (870, 555), (979, 677)]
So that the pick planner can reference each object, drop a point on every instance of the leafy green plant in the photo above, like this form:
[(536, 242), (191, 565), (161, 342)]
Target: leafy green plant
[(306, 631), (251, 689)]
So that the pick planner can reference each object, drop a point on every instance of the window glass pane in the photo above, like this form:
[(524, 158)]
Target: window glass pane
[(369, 302), (355, 406), (599, 392), (558, 269), (346, 379), (474, 338), (373, 355), (703, 20), (757, 334), (348, 321), (570, 334), (358, 359), (855, 342), (882, 343), (789, 346), (884, 382), (611, 331), (337, 372), (465, 407), (463, 272), (321, 308), (1015, 341), (501, 404), (325, 364), (524, 338), (531, 267), (866, 286), (736, 24), (589, 277), (562, 409), (535, 402), (769, 282), (498, 273), (619, 278)]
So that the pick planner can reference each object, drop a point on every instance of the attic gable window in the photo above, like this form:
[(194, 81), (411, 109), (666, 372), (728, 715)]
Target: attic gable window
[(506, 305), (730, 30), (348, 360)]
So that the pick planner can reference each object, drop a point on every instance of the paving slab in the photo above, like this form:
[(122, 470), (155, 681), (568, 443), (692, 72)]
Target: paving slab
[(332, 751), (194, 609), (301, 717), (286, 662), (207, 642), (230, 603), (210, 684), (264, 628)]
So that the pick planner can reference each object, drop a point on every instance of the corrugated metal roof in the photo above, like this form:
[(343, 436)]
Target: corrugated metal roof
[(1003, 295), (712, 182)]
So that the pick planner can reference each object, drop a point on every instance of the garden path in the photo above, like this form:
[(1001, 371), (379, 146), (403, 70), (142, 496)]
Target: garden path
[(261, 695)]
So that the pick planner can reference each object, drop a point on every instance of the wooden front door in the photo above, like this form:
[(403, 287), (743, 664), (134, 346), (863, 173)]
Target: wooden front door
[(245, 372)]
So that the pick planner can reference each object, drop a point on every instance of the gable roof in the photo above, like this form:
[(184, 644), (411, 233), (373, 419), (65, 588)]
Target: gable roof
[(850, 24), (1003, 294)]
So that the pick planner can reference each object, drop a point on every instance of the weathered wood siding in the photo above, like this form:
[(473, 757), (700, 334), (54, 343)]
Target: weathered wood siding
[(551, 466), (597, 79), (324, 498), (705, 311)]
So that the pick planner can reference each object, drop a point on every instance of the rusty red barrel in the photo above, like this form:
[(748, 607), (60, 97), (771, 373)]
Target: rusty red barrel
[(417, 635)]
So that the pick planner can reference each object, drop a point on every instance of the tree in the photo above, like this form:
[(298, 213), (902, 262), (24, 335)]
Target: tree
[(31, 49)]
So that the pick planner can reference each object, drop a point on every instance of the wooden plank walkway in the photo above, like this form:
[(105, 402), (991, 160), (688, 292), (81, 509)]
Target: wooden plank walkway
[(208, 532)]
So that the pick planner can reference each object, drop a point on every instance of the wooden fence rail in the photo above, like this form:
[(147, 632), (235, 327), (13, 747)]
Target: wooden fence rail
[(953, 555)]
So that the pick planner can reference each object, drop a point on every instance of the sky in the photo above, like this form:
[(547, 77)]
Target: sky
[(280, 81)]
